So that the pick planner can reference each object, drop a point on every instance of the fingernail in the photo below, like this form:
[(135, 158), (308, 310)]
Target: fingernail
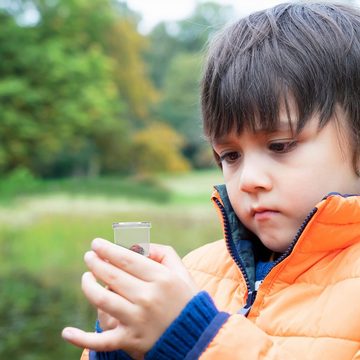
[(67, 333), (88, 255), (95, 244)]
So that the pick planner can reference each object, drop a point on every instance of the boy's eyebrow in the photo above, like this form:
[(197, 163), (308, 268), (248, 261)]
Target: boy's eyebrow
[(283, 126), (219, 141)]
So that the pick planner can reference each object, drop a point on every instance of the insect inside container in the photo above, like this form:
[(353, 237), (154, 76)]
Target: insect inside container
[(137, 248)]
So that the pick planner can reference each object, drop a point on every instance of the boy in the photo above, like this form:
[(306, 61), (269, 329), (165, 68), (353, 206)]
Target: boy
[(281, 109)]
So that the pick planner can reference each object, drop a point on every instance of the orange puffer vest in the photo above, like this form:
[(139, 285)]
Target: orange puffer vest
[(307, 307)]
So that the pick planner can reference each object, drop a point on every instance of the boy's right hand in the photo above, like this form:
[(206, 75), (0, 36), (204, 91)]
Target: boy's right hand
[(164, 255), (147, 296)]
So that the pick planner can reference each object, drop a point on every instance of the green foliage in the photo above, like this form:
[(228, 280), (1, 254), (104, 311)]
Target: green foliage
[(194, 32), (175, 59), (126, 47), (180, 102), (169, 39), (112, 28), (71, 87), (19, 181), (51, 98), (144, 188), (78, 82), (32, 315), (159, 54), (156, 149)]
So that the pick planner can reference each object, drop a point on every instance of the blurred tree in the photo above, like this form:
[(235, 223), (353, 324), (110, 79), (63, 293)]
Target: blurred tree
[(64, 83), (168, 39), (50, 97), (111, 26), (74, 85), (156, 149), (208, 17), (179, 105), (159, 54), (175, 58), (126, 47)]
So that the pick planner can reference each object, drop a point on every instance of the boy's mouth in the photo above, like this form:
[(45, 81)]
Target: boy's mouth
[(261, 213)]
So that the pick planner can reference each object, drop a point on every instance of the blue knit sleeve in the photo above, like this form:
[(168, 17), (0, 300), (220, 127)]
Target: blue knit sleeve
[(191, 332), (111, 355), (186, 338)]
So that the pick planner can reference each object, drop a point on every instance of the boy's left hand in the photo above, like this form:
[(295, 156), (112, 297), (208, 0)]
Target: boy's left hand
[(143, 295)]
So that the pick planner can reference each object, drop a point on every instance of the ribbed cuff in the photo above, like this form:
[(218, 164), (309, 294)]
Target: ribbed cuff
[(111, 355), (182, 335)]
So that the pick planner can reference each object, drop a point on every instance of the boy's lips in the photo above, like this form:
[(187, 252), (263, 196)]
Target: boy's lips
[(262, 213)]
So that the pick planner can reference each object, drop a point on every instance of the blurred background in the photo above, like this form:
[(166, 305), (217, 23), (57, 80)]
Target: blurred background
[(99, 123)]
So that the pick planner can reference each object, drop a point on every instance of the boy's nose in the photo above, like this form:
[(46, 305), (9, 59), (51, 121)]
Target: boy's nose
[(254, 176)]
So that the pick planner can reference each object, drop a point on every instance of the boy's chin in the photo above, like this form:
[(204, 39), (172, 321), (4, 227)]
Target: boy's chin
[(276, 244)]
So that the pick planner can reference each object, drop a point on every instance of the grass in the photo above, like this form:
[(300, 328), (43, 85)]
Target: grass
[(39, 219), (47, 229)]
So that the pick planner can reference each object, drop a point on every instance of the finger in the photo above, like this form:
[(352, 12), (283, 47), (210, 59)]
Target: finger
[(106, 321), (168, 257), (116, 279), (106, 300), (106, 341), (164, 254), (129, 261)]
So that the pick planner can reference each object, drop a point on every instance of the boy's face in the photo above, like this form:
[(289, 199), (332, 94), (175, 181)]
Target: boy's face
[(275, 179)]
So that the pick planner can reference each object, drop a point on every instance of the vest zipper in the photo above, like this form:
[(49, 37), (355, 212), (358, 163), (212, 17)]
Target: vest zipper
[(296, 238), (228, 239), (246, 309), (227, 233)]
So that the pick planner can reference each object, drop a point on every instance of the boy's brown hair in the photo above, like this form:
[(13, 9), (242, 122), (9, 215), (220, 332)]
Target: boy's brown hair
[(306, 53)]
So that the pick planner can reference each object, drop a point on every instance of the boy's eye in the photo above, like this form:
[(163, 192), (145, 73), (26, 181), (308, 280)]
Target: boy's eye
[(230, 157), (282, 146)]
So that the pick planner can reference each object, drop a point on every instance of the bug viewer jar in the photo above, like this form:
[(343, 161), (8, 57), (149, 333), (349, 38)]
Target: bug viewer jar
[(134, 236)]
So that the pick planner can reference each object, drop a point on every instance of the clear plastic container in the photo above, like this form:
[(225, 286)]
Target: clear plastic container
[(134, 236)]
